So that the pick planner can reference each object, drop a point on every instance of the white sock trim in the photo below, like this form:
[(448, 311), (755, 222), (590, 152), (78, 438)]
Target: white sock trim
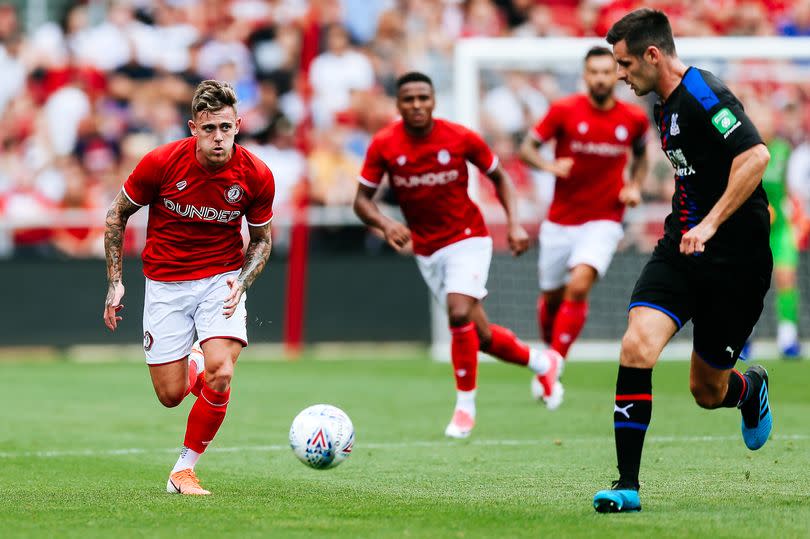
[(188, 459), (538, 362), (465, 400)]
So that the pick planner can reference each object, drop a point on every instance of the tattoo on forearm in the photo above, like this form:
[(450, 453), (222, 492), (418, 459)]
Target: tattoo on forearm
[(115, 224), (258, 251)]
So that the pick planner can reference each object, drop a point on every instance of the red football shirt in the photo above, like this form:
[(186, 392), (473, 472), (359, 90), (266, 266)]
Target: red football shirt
[(195, 215), (429, 177), (598, 141)]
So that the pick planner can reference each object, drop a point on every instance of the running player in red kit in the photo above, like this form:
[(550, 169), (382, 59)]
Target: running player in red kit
[(593, 132), (198, 189), (426, 163)]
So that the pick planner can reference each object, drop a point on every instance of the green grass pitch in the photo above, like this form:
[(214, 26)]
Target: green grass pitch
[(85, 450)]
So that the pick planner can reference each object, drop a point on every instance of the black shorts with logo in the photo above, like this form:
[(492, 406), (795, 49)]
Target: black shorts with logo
[(724, 299)]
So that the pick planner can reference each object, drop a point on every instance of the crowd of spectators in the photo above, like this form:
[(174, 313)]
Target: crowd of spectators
[(82, 98)]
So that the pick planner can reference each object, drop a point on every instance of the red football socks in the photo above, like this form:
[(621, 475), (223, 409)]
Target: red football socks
[(205, 417), (195, 380), (464, 353), (569, 322), (545, 319), (506, 346)]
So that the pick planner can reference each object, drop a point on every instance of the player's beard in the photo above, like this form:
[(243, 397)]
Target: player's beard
[(600, 97)]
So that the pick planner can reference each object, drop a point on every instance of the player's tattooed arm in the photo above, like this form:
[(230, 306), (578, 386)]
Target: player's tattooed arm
[(115, 223), (396, 234), (507, 194), (258, 251)]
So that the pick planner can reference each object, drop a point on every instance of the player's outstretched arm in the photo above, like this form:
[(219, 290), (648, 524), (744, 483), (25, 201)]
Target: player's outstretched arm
[(746, 173), (115, 224), (396, 234), (256, 255), (507, 194)]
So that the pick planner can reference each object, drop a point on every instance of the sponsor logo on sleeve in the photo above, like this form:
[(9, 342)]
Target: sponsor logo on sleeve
[(725, 122)]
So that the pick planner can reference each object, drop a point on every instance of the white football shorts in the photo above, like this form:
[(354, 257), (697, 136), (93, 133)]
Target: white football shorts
[(461, 268), (174, 312), (562, 247)]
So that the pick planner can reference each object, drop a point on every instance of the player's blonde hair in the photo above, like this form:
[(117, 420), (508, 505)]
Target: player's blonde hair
[(212, 96)]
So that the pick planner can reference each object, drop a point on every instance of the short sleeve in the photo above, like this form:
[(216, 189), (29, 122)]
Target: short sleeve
[(731, 125), (641, 127), (374, 166), (479, 154), (143, 185), (547, 128), (260, 211)]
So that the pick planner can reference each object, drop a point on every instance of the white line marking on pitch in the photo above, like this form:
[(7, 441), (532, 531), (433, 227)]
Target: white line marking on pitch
[(374, 445)]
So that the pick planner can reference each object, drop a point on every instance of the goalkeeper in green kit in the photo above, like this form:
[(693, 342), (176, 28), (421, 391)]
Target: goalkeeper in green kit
[(783, 239)]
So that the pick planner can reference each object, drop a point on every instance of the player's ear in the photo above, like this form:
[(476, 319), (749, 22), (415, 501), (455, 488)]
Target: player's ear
[(652, 55), (238, 125), (192, 127)]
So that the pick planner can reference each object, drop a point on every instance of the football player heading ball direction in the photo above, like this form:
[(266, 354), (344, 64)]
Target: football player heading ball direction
[(713, 264), (594, 132), (198, 189), (426, 163)]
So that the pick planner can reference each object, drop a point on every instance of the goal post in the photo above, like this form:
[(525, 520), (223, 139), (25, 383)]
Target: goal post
[(513, 283)]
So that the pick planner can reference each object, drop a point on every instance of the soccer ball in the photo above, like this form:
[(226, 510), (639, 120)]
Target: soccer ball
[(322, 436)]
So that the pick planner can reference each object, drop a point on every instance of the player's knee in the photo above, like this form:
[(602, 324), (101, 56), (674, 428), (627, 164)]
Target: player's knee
[(707, 395), (219, 379), (458, 316), (170, 397), (577, 291), (637, 350)]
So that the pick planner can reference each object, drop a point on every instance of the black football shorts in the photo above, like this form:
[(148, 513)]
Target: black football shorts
[(723, 299)]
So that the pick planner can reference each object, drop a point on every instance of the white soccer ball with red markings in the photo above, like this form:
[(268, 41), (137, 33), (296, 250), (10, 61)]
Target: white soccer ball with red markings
[(322, 436)]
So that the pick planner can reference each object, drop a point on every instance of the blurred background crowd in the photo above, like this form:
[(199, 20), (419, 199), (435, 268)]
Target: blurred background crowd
[(87, 88)]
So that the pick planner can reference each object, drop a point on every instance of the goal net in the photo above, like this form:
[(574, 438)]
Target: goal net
[(502, 86)]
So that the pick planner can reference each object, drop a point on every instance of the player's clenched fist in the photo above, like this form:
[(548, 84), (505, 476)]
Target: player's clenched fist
[(397, 235), (518, 240), (113, 304), (695, 240)]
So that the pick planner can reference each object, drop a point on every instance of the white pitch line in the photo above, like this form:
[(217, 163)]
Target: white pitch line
[(376, 445)]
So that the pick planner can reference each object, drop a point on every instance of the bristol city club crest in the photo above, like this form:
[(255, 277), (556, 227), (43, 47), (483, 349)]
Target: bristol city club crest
[(233, 194), (621, 133), (443, 157), (148, 341)]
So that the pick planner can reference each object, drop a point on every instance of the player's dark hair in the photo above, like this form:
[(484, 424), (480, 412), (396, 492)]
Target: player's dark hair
[(212, 96), (598, 51), (413, 76), (643, 28)]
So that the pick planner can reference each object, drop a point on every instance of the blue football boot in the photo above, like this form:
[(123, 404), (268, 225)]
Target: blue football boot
[(621, 497), (756, 411)]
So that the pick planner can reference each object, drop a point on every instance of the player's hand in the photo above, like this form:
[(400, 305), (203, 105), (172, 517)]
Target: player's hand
[(237, 288), (518, 240), (115, 291), (397, 235), (630, 196), (695, 240), (561, 167)]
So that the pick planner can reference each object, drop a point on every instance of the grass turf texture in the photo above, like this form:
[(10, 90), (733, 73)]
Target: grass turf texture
[(524, 472)]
